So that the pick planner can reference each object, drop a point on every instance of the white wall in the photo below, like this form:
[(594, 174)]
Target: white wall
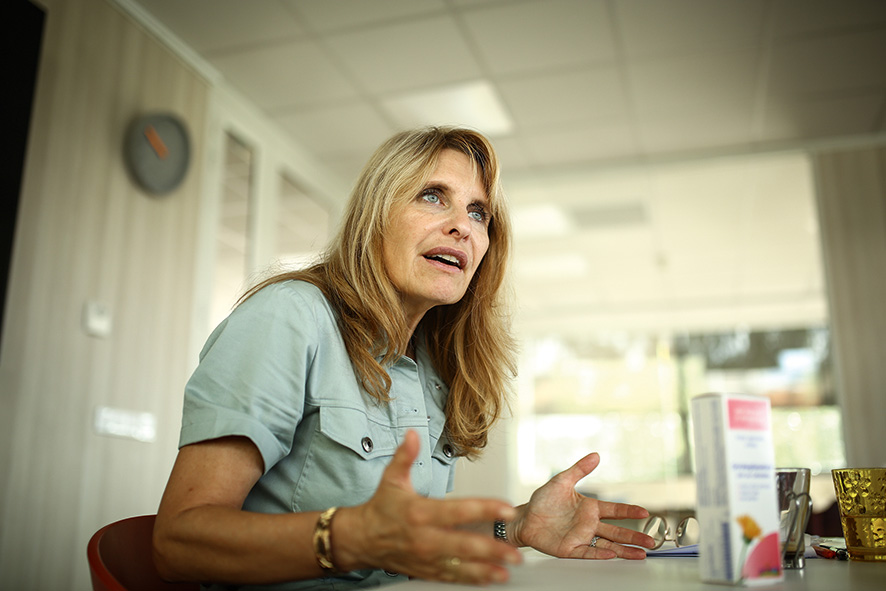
[(85, 233)]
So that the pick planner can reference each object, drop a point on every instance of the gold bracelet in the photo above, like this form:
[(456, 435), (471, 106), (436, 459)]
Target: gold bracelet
[(323, 541)]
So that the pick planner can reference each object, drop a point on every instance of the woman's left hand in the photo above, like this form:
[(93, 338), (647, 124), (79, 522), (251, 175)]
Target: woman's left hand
[(559, 521)]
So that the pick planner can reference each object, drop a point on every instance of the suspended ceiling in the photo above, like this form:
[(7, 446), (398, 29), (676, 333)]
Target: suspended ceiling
[(618, 123)]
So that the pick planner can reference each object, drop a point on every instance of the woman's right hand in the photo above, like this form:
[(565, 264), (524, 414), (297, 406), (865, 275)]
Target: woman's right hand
[(401, 531)]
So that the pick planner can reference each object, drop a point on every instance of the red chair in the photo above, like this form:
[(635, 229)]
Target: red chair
[(120, 558)]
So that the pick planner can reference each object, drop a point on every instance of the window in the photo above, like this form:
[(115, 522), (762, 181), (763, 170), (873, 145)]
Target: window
[(232, 235), (642, 288)]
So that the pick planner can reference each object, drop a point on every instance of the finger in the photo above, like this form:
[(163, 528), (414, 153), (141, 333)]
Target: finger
[(580, 469), (623, 535), (478, 548), (397, 472), (456, 570), (606, 548), (609, 510), (600, 551), (457, 556), (454, 512)]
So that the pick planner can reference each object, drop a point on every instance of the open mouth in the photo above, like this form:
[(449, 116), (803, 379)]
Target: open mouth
[(446, 259)]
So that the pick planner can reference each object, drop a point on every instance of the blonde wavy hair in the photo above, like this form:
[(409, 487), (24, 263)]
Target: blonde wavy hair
[(469, 342)]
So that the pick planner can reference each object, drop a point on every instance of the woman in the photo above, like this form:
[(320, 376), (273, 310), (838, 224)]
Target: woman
[(356, 384)]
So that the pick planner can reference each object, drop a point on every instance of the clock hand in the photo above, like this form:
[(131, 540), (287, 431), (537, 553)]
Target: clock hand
[(156, 142)]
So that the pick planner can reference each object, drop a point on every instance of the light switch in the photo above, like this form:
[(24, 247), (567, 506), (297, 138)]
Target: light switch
[(97, 319)]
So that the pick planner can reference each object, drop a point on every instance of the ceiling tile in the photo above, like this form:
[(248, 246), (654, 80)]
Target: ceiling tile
[(581, 143), (326, 16), (831, 64), (216, 25), (530, 266), (701, 208), (286, 75), (794, 17), (598, 189), (766, 276), (632, 288), (823, 117), (586, 94), (703, 287), (689, 26), (346, 166), (722, 81), (699, 131), (469, 4), (400, 57), (353, 127), (541, 35), (512, 157)]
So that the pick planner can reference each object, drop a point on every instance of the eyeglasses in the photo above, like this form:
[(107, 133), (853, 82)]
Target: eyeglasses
[(657, 528)]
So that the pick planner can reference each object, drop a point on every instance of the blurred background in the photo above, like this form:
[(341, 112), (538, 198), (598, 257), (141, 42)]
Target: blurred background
[(697, 189)]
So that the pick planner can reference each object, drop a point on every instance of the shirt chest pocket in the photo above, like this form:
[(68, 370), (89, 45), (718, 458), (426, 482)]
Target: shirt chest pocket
[(367, 436), (346, 459)]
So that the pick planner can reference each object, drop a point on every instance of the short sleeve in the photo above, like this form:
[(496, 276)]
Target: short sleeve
[(252, 372)]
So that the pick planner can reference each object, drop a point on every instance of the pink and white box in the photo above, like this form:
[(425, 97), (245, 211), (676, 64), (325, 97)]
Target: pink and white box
[(735, 481)]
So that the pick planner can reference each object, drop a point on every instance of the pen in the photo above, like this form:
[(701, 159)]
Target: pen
[(831, 552), (824, 552)]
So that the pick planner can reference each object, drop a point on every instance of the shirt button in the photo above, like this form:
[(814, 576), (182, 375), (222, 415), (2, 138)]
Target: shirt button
[(437, 386), (367, 444), (391, 573), (448, 451)]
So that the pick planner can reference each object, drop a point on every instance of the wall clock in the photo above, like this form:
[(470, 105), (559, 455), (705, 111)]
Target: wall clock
[(158, 152)]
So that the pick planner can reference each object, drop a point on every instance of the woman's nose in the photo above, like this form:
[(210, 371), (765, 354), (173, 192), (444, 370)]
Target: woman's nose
[(460, 224)]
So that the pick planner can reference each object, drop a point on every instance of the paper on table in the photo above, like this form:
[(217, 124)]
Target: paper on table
[(671, 549)]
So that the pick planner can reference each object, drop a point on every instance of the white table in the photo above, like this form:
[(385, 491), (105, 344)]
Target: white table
[(543, 573)]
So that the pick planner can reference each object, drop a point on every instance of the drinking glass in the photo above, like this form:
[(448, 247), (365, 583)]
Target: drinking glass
[(861, 496), (795, 507)]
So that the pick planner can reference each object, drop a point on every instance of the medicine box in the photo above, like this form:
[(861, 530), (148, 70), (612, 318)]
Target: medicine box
[(735, 481)]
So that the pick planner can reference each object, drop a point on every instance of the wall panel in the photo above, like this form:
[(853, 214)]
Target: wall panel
[(85, 232)]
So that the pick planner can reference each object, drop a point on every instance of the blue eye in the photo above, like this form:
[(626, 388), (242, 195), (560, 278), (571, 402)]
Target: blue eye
[(479, 214), (430, 197)]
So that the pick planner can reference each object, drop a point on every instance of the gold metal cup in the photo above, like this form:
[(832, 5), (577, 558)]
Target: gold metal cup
[(861, 496)]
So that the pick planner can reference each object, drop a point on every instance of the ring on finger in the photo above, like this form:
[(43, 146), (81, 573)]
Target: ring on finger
[(452, 562), (593, 543)]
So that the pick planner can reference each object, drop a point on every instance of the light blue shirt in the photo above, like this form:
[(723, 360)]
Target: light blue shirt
[(276, 371)]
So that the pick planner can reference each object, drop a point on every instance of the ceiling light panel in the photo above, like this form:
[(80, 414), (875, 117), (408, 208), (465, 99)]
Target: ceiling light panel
[(475, 104), (539, 221)]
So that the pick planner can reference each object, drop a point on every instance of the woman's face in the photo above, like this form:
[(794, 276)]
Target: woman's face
[(436, 240)]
